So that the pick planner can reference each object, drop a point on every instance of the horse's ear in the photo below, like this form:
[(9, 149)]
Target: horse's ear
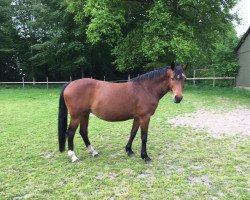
[(184, 66), (172, 65)]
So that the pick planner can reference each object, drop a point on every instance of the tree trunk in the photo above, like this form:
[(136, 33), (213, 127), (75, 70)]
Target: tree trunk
[(82, 72)]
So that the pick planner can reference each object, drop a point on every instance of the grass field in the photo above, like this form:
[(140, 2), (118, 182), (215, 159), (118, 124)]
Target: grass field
[(187, 164)]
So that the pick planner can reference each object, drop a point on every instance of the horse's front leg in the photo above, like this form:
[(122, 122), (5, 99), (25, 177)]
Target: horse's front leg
[(144, 122)]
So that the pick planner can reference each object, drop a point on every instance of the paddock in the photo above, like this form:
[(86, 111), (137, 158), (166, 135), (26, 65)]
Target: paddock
[(189, 162)]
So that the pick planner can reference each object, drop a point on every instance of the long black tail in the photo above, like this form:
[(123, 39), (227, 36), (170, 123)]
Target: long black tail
[(62, 121)]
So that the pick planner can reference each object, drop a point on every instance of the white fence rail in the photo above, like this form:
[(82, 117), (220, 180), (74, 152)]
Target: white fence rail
[(212, 78), (47, 82)]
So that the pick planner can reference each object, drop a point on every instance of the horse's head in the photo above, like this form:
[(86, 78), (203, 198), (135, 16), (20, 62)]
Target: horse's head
[(177, 79)]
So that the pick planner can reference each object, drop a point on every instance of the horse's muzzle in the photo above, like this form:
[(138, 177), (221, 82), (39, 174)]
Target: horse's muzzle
[(177, 99)]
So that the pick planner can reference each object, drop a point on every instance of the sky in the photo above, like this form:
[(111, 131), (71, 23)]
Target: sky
[(243, 10)]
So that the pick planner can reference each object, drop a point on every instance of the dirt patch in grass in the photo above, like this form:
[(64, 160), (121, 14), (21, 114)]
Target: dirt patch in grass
[(218, 123), (206, 180)]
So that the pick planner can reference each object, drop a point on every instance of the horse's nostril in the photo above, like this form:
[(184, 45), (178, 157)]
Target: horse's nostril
[(177, 99)]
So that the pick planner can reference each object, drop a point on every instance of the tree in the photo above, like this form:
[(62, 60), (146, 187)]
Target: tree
[(24, 21), (9, 69), (6, 41), (64, 49), (57, 38), (148, 33), (224, 57), (61, 49)]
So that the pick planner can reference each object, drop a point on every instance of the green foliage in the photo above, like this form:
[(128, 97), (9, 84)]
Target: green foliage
[(106, 21), (63, 51), (161, 31), (9, 68), (5, 25), (129, 55), (58, 37), (177, 33), (157, 32), (224, 56), (105, 17), (54, 47)]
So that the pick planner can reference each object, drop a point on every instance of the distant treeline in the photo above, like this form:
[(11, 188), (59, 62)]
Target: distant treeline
[(113, 38)]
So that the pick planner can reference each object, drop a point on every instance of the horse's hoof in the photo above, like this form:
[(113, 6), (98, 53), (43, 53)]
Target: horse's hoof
[(75, 161), (130, 153), (95, 154), (148, 160)]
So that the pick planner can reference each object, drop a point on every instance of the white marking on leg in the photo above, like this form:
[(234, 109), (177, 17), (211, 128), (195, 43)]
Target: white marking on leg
[(92, 151), (72, 156)]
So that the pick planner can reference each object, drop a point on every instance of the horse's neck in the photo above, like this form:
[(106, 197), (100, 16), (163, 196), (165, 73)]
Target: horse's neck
[(157, 87)]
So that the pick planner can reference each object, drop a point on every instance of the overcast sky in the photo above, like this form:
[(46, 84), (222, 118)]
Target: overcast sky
[(243, 9)]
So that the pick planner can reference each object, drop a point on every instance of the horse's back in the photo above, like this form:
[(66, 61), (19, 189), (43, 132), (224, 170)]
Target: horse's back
[(108, 101)]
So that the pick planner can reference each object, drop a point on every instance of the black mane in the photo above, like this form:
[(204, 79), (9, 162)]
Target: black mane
[(150, 75)]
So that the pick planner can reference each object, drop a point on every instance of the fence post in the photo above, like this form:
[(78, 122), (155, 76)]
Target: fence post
[(70, 78), (194, 77), (47, 79), (34, 81), (214, 79), (129, 77), (23, 81), (234, 81), (104, 78)]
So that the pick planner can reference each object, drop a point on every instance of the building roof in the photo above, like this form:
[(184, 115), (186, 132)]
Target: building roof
[(242, 39)]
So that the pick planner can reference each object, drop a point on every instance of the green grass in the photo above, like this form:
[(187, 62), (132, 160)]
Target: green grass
[(186, 164)]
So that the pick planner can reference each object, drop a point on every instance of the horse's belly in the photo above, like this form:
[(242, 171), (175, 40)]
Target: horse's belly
[(113, 115), (114, 102)]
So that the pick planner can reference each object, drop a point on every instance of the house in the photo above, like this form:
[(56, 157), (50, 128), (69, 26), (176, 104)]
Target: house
[(243, 54)]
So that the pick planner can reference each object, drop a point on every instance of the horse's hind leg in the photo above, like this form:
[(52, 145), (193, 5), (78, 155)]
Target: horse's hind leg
[(70, 134), (84, 133), (134, 130)]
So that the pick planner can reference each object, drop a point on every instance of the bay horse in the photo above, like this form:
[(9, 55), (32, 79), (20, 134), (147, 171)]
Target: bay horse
[(136, 99)]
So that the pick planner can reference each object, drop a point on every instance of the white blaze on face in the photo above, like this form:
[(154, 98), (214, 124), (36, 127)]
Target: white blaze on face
[(72, 156), (92, 151)]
